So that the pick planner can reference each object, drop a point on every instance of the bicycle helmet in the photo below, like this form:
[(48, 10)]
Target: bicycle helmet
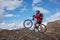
[(38, 11)]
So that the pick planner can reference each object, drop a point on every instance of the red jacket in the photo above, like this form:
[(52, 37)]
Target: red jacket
[(37, 16)]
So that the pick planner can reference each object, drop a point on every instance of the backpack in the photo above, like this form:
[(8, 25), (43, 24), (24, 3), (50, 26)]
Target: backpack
[(41, 16)]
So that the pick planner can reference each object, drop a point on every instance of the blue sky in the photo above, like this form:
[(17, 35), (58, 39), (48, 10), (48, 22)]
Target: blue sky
[(14, 12)]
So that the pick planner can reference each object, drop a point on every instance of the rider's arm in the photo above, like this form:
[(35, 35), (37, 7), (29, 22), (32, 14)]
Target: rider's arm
[(37, 16), (33, 17)]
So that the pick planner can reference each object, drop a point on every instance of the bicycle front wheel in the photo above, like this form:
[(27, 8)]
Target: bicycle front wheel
[(28, 23)]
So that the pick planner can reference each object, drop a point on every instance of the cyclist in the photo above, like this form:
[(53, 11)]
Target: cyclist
[(39, 18)]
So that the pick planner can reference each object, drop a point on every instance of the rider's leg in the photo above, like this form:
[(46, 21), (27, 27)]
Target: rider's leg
[(34, 26), (41, 28)]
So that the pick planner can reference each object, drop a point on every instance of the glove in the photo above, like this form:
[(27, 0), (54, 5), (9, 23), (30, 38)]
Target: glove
[(33, 15)]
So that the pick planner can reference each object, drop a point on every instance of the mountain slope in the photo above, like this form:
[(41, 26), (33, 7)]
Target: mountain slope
[(53, 29), (53, 33), (23, 34)]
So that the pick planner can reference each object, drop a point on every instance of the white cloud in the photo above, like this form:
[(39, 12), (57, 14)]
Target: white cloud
[(42, 10), (14, 26), (45, 23), (9, 4), (35, 2), (14, 5), (55, 1), (9, 15), (54, 17), (11, 26), (23, 9), (3, 25), (1, 15)]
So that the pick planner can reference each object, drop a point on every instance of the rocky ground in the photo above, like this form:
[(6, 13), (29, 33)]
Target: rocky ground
[(53, 29), (53, 33)]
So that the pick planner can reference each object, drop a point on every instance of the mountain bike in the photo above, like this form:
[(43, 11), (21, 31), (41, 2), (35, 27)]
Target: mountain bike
[(29, 23)]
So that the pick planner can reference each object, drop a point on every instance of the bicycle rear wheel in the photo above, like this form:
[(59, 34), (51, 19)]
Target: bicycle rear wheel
[(43, 29), (28, 23)]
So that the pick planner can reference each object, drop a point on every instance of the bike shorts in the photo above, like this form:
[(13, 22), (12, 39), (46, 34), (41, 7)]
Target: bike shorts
[(39, 22)]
